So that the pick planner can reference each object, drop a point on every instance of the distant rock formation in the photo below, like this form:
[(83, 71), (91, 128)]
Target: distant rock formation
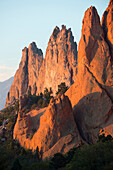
[(4, 88), (59, 65), (55, 129), (92, 93)]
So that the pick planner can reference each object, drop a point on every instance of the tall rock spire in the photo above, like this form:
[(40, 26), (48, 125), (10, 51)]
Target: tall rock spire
[(27, 74), (107, 24), (110, 3), (92, 95), (60, 61)]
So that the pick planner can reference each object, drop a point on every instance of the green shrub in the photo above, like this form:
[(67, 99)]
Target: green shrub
[(40, 101), (62, 88), (16, 165), (95, 157), (103, 138), (44, 104), (43, 165), (23, 151), (58, 161)]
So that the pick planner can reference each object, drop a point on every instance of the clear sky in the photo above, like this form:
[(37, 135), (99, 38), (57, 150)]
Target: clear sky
[(24, 21)]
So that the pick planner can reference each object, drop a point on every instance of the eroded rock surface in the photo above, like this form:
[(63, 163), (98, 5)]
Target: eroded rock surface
[(56, 130), (60, 60), (107, 24), (35, 74), (92, 93), (26, 75)]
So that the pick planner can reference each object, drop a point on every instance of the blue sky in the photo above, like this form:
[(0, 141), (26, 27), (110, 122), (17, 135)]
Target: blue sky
[(24, 21)]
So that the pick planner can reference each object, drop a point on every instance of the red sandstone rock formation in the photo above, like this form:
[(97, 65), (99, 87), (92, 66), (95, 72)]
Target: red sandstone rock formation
[(27, 74), (107, 24), (36, 74), (60, 61), (92, 93), (56, 130)]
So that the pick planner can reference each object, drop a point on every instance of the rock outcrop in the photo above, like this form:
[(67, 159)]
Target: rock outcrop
[(35, 74), (55, 128), (107, 24), (27, 74), (92, 93), (60, 61)]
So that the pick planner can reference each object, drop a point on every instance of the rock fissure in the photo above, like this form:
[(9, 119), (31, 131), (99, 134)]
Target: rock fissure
[(100, 85)]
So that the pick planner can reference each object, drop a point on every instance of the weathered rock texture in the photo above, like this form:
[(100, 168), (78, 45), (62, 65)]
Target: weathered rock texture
[(56, 130), (92, 93), (59, 65), (107, 24), (26, 75), (60, 61)]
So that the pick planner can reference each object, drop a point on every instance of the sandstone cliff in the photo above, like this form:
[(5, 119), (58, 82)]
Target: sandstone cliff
[(27, 74), (107, 24), (60, 61), (36, 74), (92, 93), (55, 128)]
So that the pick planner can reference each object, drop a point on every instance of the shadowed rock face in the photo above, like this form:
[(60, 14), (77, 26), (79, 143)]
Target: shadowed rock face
[(92, 94), (107, 24), (56, 130), (60, 61)]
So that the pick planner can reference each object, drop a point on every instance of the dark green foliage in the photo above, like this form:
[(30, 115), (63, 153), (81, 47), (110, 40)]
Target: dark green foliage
[(43, 165), (23, 152), (94, 157), (62, 88), (40, 101), (44, 103), (70, 155), (37, 154), (16, 107), (109, 166), (16, 165), (29, 152), (58, 161), (102, 138), (47, 95)]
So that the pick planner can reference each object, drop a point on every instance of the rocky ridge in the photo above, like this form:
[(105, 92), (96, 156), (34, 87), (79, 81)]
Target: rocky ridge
[(36, 74)]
